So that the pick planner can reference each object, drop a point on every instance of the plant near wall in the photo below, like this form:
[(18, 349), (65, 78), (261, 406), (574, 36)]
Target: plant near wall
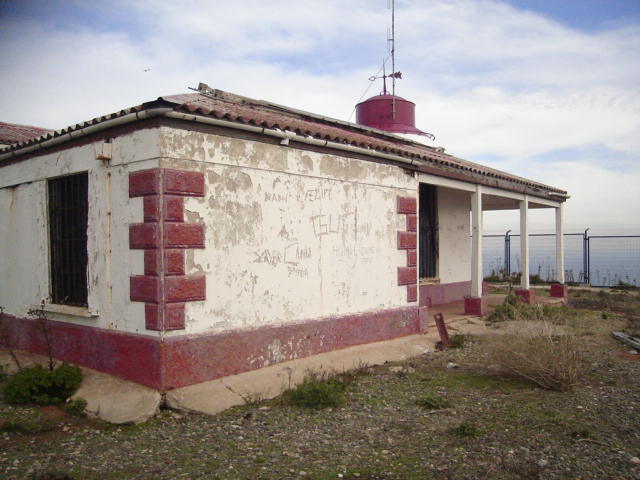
[(41, 386), (76, 407), (4, 339), (318, 391), (42, 320)]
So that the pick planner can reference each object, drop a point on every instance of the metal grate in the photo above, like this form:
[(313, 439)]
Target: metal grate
[(428, 235), (68, 208)]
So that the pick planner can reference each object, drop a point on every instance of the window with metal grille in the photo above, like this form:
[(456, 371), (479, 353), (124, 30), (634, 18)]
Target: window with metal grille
[(68, 208), (428, 231)]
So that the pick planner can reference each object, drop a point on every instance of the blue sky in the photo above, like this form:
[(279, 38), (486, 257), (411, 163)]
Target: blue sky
[(545, 89)]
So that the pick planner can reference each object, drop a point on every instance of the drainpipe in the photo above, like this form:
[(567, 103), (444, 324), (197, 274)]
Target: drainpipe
[(114, 122)]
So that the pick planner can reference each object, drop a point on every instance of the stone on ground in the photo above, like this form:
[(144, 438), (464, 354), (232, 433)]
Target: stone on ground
[(115, 400)]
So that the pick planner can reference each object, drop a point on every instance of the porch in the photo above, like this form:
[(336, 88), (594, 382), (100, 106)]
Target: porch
[(459, 321), (433, 243)]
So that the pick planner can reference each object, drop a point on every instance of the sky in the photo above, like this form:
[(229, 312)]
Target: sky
[(548, 89)]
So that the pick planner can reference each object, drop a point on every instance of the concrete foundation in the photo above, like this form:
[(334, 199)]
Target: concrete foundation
[(527, 295), (475, 306), (559, 290)]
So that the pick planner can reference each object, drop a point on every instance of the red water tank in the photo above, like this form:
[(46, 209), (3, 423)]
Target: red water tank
[(377, 112)]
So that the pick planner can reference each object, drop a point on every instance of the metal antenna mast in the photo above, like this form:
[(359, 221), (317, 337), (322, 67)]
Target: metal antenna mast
[(392, 45)]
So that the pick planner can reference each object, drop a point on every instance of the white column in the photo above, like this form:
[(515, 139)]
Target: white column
[(524, 242), (559, 246), (476, 240)]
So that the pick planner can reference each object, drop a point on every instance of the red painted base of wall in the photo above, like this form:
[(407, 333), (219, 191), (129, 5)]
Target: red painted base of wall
[(527, 296), (441, 293), (475, 306), (559, 290), (187, 359), (126, 355)]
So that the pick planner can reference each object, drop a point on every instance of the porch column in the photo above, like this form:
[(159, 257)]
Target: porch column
[(559, 246), (524, 243), (475, 304), (526, 293), (476, 249), (559, 289)]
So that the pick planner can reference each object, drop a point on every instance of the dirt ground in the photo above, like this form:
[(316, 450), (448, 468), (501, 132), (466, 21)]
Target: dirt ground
[(492, 428)]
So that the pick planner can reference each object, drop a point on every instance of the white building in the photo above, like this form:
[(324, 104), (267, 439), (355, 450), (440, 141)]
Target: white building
[(198, 236)]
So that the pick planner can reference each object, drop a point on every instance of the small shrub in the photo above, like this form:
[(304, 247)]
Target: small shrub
[(622, 285), (76, 407), (466, 429), (432, 402), (317, 392), (458, 340), (41, 386), (581, 433), (538, 354), (514, 309), (511, 309)]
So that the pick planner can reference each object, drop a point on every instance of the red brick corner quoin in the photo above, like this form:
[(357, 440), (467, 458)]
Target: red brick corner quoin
[(164, 287), (407, 241)]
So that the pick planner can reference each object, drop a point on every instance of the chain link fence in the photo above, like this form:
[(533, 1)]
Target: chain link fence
[(597, 260)]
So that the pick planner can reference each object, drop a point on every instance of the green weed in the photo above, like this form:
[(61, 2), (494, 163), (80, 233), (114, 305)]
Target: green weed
[(32, 424), (465, 429), (432, 402), (458, 340), (317, 392), (41, 386), (76, 407)]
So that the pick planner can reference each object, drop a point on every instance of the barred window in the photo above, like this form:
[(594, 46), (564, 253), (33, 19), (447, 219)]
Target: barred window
[(68, 209), (428, 224)]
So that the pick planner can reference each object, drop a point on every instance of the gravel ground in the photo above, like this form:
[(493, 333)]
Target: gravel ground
[(514, 430)]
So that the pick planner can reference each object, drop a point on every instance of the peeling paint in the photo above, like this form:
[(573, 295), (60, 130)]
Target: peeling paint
[(191, 267)]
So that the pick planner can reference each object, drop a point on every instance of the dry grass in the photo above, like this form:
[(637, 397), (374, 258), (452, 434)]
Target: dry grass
[(540, 353)]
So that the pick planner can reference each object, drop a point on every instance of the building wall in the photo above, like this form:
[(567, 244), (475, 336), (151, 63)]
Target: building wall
[(454, 260), (291, 235), (303, 252), (24, 241)]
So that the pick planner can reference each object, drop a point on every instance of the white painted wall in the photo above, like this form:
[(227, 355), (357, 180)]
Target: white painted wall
[(291, 235), (24, 244), (454, 260)]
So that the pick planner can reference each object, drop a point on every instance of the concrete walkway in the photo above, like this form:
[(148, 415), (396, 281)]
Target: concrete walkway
[(218, 395)]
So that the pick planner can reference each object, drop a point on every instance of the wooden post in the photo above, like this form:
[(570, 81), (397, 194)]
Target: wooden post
[(442, 330)]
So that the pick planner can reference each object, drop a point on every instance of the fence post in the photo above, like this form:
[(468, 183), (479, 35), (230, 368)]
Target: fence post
[(585, 257), (507, 253)]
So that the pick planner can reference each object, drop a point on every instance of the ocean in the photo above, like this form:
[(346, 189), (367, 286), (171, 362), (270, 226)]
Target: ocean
[(612, 259)]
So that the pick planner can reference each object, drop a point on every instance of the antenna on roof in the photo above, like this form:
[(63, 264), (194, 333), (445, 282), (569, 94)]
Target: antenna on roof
[(386, 111), (392, 45)]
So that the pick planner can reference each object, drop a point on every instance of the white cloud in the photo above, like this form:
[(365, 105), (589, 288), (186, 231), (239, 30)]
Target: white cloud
[(489, 80)]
